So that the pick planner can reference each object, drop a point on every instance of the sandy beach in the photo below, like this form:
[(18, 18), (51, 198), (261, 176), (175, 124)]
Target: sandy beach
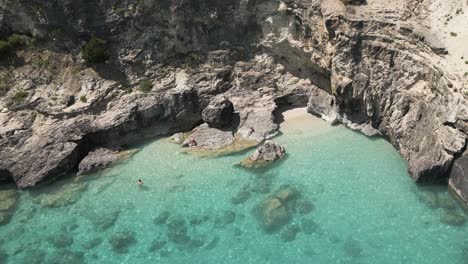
[(298, 120)]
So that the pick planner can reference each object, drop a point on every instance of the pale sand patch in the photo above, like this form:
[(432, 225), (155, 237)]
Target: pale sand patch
[(448, 21), (298, 120)]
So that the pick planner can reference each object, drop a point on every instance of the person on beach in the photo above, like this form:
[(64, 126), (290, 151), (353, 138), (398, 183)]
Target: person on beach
[(192, 143)]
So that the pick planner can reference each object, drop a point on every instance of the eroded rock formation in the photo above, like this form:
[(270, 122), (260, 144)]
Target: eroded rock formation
[(378, 66)]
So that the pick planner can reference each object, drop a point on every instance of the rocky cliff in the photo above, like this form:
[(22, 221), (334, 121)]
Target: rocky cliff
[(386, 68)]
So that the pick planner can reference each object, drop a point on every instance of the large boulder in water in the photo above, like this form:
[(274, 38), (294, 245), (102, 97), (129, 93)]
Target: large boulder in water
[(219, 112), (459, 177), (266, 153), (276, 210)]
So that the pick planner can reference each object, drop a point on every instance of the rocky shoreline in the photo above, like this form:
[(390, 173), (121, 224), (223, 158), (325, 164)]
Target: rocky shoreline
[(368, 65)]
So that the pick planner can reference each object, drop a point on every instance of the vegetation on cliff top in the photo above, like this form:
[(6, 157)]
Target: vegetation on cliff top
[(8, 46)]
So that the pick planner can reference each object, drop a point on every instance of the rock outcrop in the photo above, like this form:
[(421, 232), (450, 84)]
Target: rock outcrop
[(268, 152), (378, 66), (219, 112), (459, 177), (101, 158)]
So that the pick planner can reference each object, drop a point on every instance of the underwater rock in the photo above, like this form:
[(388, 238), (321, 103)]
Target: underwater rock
[(102, 219), (61, 240), (161, 218), (3, 256), (448, 203), (237, 232), (195, 243), (272, 214), (276, 210), (288, 194), (69, 225), (7, 199), (165, 252), (67, 195), (212, 244), (289, 233), (32, 256), (228, 217), (352, 248), (309, 252), (121, 241), (177, 188), (219, 112), (452, 217), (199, 220), (177, 231), (429, 198), (156, 245), (7, 204), (242, 196), (262, 185), (91, 243), (5, 217), (6, 194), (304, 207), (67, 257), (309, 226), (266, 153)]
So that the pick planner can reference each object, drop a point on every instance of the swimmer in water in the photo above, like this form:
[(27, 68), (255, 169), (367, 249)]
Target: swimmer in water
[(140, 182)]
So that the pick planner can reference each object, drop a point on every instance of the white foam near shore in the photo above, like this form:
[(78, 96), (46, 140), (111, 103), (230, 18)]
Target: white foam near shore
[(298, 120)]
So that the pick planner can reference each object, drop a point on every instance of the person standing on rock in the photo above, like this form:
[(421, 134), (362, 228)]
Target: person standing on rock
[(251, 130)]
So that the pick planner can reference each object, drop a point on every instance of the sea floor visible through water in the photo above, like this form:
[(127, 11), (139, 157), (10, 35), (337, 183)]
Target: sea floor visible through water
[(357, 205)]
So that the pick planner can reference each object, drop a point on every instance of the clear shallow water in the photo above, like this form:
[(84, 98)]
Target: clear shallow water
[(366, 209)]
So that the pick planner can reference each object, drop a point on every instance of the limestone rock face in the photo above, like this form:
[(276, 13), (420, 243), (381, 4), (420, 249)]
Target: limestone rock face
[(378, 66), (354, 2), (322, 104), (219, 112), (459, 177)]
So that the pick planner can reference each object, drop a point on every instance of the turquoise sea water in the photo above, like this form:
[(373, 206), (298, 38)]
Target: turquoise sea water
[(365, 209)]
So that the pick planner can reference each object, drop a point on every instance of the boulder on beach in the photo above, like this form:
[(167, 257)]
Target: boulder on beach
[(265, 154)]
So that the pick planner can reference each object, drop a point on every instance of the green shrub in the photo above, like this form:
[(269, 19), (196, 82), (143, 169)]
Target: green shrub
[(453, 34), (19, 96), (15, 40), (4, 88), (4, 83), (145, 85), (83, 99), (192, 58), (95, 51), (6, 49)]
